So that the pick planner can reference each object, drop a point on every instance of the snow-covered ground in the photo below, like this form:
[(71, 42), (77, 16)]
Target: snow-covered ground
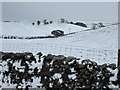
[(27, 29), (100, 45)]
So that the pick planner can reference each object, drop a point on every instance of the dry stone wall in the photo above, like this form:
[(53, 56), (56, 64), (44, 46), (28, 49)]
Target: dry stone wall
[(59, 71)]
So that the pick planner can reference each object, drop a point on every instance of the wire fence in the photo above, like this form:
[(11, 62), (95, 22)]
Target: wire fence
[(67, 50)]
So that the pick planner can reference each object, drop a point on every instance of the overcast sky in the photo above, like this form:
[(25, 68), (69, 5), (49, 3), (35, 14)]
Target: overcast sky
[(106, 11)]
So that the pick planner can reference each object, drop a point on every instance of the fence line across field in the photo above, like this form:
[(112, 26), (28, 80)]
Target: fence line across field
[(68, 45), (58, 49)]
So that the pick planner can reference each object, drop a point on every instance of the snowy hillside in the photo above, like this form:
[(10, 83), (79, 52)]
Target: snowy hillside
[(105, 38), (81, 44), (100, 45), (27, 29)]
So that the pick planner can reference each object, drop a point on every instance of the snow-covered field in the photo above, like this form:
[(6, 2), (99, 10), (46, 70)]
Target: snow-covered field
[(27, 29), (100, 45)]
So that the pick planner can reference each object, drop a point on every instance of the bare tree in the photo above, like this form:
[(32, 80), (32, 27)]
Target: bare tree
[(33, 23), (38, 22), (51, 22), (62, 20), (45, 21)]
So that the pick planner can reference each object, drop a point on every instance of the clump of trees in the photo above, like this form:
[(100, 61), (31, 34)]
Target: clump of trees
[(77, 23), (37, 23), (45, 22), (62, 20)]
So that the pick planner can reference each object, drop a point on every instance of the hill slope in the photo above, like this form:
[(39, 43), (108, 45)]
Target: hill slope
[(99, 44), (27, 29)]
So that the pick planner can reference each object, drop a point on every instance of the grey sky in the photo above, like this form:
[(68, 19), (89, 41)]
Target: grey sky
[(106, 11)]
